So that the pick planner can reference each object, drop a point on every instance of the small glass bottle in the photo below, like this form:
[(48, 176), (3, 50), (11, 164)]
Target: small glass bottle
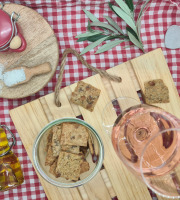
[(11, 174)]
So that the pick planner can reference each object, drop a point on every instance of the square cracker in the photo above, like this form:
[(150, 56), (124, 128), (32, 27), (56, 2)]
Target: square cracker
[(84, 166), (52, 169), (156, 92), (49, 157), (74, 134), (70, 149), (56, 140), (85, 95), (69, 165)]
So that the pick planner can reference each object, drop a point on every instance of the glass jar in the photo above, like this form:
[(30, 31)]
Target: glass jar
[(11, 174)]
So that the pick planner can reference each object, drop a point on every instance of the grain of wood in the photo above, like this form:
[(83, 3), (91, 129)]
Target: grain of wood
[(32, 121), (108, 183), (101, 192), (111, 161), (46, 109), (75, 108), (30, 118), (83, 193), (147, 69), (42, 47)]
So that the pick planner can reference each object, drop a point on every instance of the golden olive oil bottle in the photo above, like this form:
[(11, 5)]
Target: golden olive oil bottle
[(11, 174)]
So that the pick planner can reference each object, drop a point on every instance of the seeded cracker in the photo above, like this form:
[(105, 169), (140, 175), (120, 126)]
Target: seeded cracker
[(52, 169), (70, 149), (85, 95), (84, 167), (56, 140), (69, 165), (74, 134), (156, 92), (49, 157)]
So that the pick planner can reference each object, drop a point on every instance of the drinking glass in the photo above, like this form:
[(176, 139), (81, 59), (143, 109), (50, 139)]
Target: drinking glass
[(147, 140)]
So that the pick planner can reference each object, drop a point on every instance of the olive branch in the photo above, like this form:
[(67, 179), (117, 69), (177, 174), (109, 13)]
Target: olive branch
[(111, 30)]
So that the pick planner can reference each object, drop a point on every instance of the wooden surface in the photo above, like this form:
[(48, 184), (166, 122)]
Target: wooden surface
[(114, 179), (42, 47)]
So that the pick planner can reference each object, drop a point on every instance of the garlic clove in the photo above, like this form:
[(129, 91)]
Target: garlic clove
[(15, 42)]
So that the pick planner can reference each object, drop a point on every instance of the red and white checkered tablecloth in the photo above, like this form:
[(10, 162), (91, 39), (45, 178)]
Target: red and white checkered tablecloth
[(67, 19)]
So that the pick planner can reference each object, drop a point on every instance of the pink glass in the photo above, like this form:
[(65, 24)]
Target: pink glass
[(147, 140)]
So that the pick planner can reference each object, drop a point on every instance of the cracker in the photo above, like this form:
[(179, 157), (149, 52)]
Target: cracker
[(85, 95), (56, 140), (70, 149), (84, 151), (69, 165), (156, 92), (90, 143), (74, 134), (49, 157), (49, 141), (52, 169), (84, 166)]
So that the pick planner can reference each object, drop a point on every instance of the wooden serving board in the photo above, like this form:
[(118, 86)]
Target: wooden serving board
[(42, 46), (114, 179)]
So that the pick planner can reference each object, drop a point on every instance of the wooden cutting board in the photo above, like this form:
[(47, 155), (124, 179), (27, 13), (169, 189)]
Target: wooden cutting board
[(114, 180), (42, 46)]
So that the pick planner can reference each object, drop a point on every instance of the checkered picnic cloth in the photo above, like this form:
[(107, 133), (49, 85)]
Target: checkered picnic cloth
[(68, 20)]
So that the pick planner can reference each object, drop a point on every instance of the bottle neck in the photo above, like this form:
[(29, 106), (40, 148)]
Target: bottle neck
[(4, 145)]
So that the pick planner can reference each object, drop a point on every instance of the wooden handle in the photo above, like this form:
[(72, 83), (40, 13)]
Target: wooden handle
[(40, 69)]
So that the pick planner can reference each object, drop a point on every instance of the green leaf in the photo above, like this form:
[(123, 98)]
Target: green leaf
[(92, 38), (125, 17), (111, 7), (132, 32), (124, 7), (87, 34), (82, 39), (92, 45), (138, 24), (130, 4), (97, 37), (90, 15), (104, 25), (114, 24), (144, 5), (135, 41), (117, 36), (108, 46)]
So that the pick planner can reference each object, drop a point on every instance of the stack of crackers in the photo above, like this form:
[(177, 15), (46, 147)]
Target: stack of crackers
[(67, 147)]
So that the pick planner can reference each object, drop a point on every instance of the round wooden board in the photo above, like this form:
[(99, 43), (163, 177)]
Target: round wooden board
[(42, 46)]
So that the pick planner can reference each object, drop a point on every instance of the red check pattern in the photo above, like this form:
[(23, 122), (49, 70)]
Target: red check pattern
[(67, 19)]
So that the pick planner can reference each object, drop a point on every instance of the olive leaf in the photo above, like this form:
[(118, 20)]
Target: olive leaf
[(104, 25), (87, 34), (132, 32), (108, 46), (111, 30), (92, 45), (138, 24), (114, 24), (124, 7), (97, 37), (130, 4), (125, 17), (135, 41), (90, 15)]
